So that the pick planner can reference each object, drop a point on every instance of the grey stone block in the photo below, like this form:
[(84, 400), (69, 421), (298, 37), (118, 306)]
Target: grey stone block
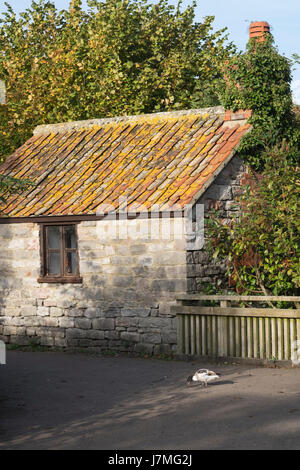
[(169, 285), (169, 337), (47, 341), (50, 303), (83, 323), (72, 343), (75, 333), (111, 312), (150, 338), (30, 331), (66, 322), (74, 312), (135, 312), (92, 312), (43, 311), (20, 340), (122, 281), (60, 342), (154, 312), (94, 334), (154, 322), (162, 349), (47, 321), (112, 335), (138, 249), (143, 348), (104, 324), (126, 322), (32, 321), (56, 312), (130, 336), (28, 310), (14, 330), (65, 303)]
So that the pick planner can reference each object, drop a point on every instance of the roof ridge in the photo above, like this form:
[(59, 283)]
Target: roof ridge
[(86, 124)]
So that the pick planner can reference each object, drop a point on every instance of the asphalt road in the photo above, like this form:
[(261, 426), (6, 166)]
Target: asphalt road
[(51, 400)]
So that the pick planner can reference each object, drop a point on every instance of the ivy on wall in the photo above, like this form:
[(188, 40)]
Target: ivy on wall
[(262, 245)]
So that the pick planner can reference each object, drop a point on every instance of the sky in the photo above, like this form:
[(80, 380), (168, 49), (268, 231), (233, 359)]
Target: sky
[(236, 15)]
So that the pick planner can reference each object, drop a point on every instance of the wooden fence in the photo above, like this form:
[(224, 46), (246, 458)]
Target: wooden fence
[(235, 331)]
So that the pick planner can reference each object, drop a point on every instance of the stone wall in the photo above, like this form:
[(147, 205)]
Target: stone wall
[(123, 303), (201, 269), (132, 273)]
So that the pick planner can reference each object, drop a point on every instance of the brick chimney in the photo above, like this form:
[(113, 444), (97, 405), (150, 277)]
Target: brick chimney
[(258, 29)]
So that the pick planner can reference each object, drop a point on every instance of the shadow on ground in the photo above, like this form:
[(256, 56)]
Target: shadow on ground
[(63, 401)]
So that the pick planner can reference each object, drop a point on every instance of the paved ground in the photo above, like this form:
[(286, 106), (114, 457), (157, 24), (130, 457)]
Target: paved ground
[(51, 400)]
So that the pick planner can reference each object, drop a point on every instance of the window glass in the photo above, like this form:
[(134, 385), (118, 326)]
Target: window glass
[(70, 236), (54, 237), (54, 263), (71, 262)]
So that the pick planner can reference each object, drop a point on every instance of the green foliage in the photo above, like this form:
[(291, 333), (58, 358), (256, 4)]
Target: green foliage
[(120, 57), (10, 185), (263, 246), (259, 80)]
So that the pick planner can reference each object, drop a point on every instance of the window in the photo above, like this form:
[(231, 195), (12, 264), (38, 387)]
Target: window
[(59, 253)]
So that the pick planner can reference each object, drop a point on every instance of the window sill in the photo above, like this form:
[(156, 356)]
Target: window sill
[(60, 280)]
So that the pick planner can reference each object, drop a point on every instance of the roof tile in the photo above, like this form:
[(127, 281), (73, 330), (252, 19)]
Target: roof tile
[(159, 159)]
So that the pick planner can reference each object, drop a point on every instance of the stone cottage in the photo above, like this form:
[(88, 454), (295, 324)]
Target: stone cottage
[(97, 250)]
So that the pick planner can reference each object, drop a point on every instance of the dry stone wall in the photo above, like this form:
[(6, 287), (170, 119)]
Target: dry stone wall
[(132, 270), (123, 303)]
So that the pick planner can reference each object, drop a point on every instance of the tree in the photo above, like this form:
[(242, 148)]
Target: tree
[(259, 80), (9, 184), (120, 57)]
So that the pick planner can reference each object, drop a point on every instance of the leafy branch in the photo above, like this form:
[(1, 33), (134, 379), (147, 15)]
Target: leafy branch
[(10, 185)]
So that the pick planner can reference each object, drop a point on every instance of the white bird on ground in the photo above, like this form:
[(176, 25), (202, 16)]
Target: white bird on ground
[(202, 376)]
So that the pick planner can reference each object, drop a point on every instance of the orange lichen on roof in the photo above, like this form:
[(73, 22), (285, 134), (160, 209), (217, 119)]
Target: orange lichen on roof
[(159, 160)]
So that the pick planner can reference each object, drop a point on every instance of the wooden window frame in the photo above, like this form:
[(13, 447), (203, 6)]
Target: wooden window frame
[(44, 252)]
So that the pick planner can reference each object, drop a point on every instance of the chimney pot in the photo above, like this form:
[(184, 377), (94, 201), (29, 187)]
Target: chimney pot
[(258, 29)]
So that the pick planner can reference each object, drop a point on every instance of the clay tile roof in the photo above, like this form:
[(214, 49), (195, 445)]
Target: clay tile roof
[(154, 161)]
